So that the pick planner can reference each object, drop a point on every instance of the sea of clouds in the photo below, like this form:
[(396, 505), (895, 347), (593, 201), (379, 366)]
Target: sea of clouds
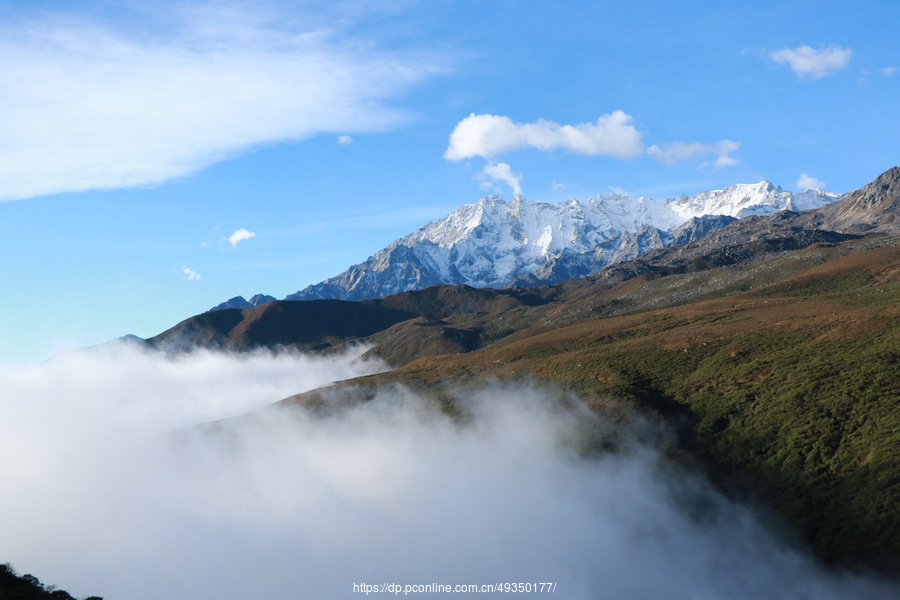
[(110, 489)]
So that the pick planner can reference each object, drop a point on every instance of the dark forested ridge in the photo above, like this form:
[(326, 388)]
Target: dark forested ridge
[(29, 587)]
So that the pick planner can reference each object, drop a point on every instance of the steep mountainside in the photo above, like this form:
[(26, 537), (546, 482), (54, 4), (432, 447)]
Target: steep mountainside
[(781, 378), (874, 207), (311, 325), (622, 247), (770, 346), (494, 243)]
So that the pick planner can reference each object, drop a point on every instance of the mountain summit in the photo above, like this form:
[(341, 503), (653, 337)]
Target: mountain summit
[(497, 243), (743, 200), (873, 207)]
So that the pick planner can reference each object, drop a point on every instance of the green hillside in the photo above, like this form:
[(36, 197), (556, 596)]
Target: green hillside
[(770, 347), (782, 378)]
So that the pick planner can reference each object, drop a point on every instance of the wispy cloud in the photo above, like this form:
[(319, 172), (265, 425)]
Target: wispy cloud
[(807, 182), (811, 63), (239, 236), (344, 140), (490, 135), (190, 274), (95, 106), (675, 152), (502, 172)]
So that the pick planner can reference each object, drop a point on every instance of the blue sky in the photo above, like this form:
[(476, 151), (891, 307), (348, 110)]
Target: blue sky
[(137, 138)]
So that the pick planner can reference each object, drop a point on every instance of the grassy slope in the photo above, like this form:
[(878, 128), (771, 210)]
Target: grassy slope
[(784, 377)]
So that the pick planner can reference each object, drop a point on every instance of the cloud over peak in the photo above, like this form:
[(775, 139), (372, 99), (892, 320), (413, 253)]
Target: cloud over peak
[(808, 182), (811, 63), (490, 135), (500, 172), (675, 152)]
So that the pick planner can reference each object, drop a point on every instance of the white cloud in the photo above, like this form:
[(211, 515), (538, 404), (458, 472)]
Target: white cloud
[(190, 274), (107, 501), (723, 149), (490, 135), (93, 106), (501, 172), (239, 236), (889, 71), (344, 140), (807, 182), (678, 151), (809, 63)]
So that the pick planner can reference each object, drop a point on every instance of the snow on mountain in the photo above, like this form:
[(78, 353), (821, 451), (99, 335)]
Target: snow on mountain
[(744, 200), (490, 242), (495, 243)]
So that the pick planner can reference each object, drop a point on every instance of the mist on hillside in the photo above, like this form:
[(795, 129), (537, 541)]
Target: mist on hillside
[(111, 490)]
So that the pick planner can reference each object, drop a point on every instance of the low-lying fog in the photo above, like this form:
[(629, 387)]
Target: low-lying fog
[(101, 499)]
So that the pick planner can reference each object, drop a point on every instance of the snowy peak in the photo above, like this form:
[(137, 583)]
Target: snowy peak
[(494, 242), (551, 225), (547, 227), (742, 200)]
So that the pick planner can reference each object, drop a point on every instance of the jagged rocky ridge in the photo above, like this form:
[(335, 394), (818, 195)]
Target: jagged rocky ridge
[(495, 243)]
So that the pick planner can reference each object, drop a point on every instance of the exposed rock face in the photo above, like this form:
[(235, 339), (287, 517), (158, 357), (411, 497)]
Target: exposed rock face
[(874, 207)]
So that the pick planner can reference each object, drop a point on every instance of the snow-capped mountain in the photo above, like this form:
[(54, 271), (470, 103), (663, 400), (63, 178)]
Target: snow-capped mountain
[(498, 243), (744, 200)]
